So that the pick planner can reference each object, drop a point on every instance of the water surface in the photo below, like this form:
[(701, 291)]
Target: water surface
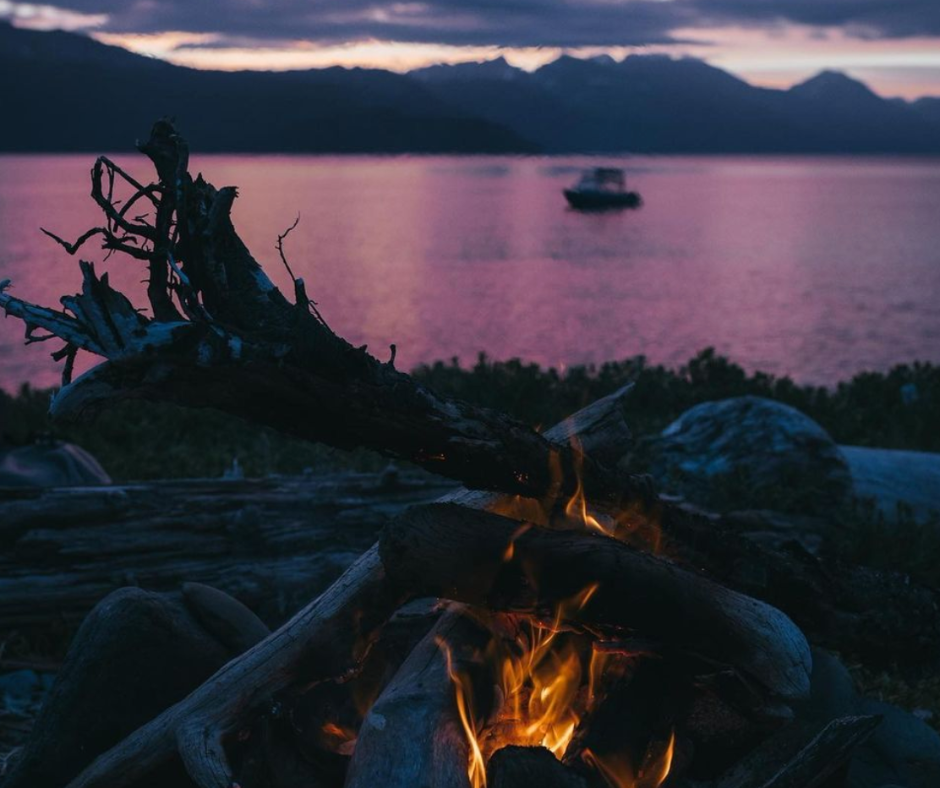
[(813, 267)]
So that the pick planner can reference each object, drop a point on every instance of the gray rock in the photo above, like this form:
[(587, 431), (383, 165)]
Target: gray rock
[(891, 477), (902, 751), (832, 691), (50, 464), (756, 447)]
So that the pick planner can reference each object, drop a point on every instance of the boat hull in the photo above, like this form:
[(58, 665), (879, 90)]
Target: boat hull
[(599, 201)]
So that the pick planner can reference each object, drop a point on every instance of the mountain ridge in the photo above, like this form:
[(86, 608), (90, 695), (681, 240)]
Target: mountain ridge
[(643, 103)]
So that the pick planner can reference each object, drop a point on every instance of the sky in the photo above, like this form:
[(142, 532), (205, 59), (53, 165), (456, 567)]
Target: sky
[(893, 45)]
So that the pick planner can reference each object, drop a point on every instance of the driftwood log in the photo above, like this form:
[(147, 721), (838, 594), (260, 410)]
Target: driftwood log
[(483, 559), (272, 543), (412, 736)]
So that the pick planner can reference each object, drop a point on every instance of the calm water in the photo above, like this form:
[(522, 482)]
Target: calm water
[(817, 268)]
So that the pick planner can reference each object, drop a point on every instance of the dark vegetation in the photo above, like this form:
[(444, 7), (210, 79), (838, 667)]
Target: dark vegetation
[(899, 409)]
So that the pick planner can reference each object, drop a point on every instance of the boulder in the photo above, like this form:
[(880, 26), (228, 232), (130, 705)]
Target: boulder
[(50, 464), (902, 751), (891, 478), (750, 452)]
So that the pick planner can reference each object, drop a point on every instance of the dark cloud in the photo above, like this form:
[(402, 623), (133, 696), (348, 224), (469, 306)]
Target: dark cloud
[(565, 23), (863, 18)]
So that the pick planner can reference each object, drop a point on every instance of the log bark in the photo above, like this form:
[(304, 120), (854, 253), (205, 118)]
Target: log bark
[(412, 736), (525, 767), (483, 559), (273, 543)]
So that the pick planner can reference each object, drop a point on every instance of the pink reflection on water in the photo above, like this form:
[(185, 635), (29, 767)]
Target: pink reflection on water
[(816, 268)]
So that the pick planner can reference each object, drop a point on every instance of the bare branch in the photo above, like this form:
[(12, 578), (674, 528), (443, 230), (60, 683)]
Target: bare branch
[(72, 248)]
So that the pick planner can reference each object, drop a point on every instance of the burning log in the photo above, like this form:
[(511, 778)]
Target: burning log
[(524, 767), (414, 735), (484, 559)]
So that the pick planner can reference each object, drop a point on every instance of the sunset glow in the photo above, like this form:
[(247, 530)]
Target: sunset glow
[(895, 55)]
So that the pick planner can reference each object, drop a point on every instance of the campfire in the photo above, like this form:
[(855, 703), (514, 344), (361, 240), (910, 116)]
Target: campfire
[(554, 622)]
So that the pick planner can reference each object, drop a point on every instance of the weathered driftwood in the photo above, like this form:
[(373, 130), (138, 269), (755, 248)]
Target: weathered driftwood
[(525, 767), (800, 756), (232, 341), (324, 640), (483, 559), (272, 543), (412, 736), (134, 655)]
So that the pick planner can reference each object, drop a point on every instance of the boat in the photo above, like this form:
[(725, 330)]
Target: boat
[(601, 188)]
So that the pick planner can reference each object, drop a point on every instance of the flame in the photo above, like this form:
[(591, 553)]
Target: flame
[(538, 677), (631, 523), (618, 772), (577, 507), (339, 738), (463, 692), (542, 687)]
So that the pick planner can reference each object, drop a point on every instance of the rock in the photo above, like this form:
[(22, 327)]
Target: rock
[(50, 464), (832, 690), (19, 689), (891, 477), (753, 451), (902, 751)]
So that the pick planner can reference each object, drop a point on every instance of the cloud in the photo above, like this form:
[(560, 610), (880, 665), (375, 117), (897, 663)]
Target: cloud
[(503, 23), (862, 18)]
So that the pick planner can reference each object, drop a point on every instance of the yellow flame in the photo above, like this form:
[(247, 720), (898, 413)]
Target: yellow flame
[(577, 505), (618, 772), (463, 692)]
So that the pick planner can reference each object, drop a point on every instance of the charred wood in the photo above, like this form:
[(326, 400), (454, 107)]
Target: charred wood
[(412, 736), (484, 559), (522, 767)]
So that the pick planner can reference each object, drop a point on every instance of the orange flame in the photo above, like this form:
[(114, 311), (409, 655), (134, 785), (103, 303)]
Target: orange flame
[(463, 692), (618, 772), (339, 738), (538, 681), (577, 504)]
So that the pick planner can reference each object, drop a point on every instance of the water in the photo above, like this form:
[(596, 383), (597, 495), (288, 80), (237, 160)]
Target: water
[(813, 267)]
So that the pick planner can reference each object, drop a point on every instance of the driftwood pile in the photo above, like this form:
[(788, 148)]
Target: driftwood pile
[(687, 642)]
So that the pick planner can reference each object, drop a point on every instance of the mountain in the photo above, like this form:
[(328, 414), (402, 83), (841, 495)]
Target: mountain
[(928, 108), (66, 92), (656, 103), (63, 91)]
